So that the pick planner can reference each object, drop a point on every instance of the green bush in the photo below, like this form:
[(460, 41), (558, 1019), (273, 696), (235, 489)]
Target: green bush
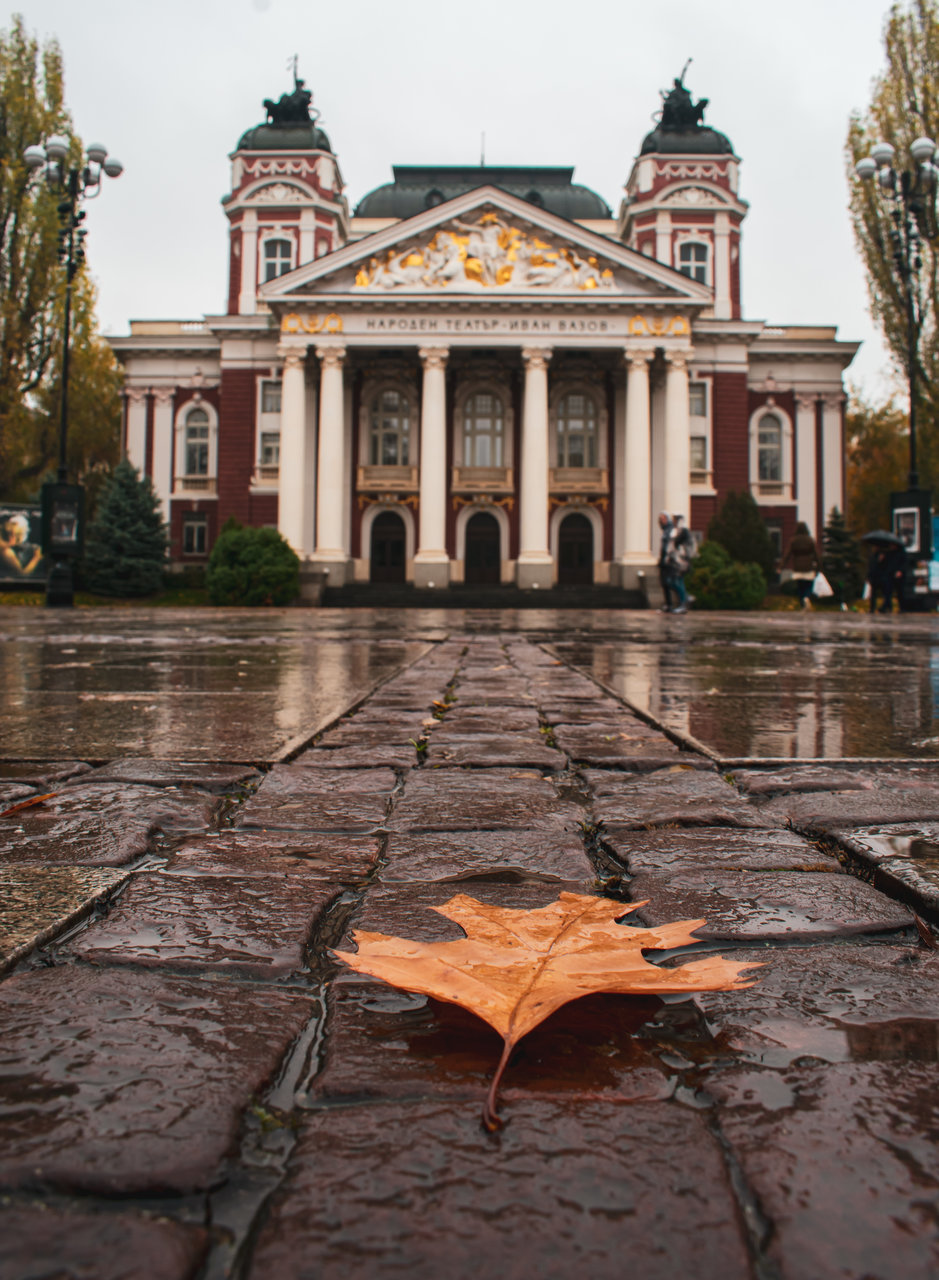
[(741, 530), (252, 567), (125, 553), (718, 582)]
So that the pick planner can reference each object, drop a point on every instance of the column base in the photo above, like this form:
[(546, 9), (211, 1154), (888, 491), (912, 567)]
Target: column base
[(635, 576), (336, 573), (534, 575), (431, 573)]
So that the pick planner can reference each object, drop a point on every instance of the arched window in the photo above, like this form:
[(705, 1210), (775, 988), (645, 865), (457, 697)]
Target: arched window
[(577, 430), (770, 449), (277, 255), (391, 429), (197, 443), (483, 430), (693, 260)]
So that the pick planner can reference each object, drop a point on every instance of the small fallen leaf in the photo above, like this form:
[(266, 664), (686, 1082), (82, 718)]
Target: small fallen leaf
[(28, 804), (515, 967), (926, 934)]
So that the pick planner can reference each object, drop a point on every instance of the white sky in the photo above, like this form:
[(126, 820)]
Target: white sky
[(170, 85)]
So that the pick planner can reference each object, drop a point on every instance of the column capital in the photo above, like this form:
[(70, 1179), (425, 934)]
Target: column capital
[(834, 400), (291, 356), (163, 395), (638, 358), (136, 394), (434, 357), (536, 357), (679, 359), (806, 401), (332, 357)]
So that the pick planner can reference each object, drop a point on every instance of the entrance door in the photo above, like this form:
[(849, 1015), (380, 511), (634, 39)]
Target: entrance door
[(483, 550), (386, 557), (575, 551)]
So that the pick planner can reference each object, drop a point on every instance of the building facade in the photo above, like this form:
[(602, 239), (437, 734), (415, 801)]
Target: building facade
[(482, 375)]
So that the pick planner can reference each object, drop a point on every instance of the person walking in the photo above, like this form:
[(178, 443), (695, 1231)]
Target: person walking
[(666, 526), (802, 555), (885, 574), (678, 553)]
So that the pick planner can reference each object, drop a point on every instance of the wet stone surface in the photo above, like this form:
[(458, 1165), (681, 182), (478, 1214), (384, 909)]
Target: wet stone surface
[(562, 1191), (679, 796), (723, 848), (481, 800), (496, 855), (769, 906), (103, 824), (608, 745), (402, 756), (173, 773), (300, 798), (41, 774), (447, 748), (845, 1161), (40, 1241), (36, 902), (348, 859), (113, 1086)]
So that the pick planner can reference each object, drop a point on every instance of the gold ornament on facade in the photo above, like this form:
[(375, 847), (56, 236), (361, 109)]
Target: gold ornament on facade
[(486, 254), (294, 322), (659, 326)]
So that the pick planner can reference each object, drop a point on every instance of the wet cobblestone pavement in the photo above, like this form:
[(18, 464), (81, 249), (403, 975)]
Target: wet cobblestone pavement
[(190, 1089)]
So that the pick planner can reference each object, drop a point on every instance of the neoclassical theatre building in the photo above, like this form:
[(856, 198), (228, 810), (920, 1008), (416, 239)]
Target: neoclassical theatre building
[(482, 374)]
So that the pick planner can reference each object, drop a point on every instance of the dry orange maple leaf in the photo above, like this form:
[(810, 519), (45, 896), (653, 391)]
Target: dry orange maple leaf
[(514, 968), (28, 804)]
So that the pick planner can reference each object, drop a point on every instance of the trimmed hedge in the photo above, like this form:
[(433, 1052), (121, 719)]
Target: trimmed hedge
[(718, 582), (252, 567)]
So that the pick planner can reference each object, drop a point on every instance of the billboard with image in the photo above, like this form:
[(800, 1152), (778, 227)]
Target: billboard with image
[(21, 558)]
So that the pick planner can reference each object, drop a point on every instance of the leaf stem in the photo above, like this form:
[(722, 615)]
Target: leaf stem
[(491, 1121)]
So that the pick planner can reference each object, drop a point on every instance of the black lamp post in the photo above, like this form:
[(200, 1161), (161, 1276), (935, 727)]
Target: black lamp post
[(63, 504), (910, 199)]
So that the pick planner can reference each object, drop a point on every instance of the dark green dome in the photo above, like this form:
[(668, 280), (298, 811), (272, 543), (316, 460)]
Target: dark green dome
[(681, 129), (419, 187), (295, 136)]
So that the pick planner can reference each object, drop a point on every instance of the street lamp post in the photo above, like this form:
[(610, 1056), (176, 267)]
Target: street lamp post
[(910, 199), (63, 503)]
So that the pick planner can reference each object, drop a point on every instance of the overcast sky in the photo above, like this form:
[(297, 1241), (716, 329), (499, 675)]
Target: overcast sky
[(170, 86)]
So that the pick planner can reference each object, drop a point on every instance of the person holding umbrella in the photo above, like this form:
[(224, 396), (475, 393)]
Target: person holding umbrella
[(885, 568)]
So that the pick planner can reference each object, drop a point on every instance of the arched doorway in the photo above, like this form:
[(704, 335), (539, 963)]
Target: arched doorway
[(575, 551), (483, 554), (387, 551)]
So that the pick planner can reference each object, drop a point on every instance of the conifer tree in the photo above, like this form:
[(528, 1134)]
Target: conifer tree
[(125, 553), (739, 528), (842, 559)]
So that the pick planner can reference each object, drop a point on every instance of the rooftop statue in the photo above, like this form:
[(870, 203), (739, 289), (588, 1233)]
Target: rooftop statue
[(291, 108), (679, 113)]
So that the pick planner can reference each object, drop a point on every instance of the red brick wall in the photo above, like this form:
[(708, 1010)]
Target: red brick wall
[(236, 444), (730, 428)]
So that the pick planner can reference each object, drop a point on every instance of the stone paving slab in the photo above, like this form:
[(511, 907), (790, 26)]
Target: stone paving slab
[(254, 926), (767, 905), (103, 824), (724, 848), (117, 1087), (491, 750), (605, 745), (400, 756), (682, 796), (39, 1242), (491, 855), (833, 810), (12, 792), (564, 1190), (348, 859), (173, 773), (845, 1162), (904, 861), (801, 779), (37, 902), (41, 773), (834, 1001), (301, 798), (490, 719), (597, 710), (481, 800)]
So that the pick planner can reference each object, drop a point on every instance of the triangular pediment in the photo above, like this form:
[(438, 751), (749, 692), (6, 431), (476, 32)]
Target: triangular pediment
[(489, 243)]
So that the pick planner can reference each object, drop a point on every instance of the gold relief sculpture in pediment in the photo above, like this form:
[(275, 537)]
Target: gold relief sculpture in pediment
[(486, 254)]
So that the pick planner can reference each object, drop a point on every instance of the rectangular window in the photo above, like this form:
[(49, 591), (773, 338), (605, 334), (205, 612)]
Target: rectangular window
[(698, 399), (270, 449), (699, 453), (197, 451), (270, 397), (195, 536)]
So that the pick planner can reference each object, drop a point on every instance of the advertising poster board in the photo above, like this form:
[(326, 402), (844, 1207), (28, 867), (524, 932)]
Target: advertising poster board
[(21, 558)]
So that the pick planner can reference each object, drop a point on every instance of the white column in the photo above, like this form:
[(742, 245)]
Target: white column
[(535, 563), (723, 306), (163, 447), (806, 496), (677, 435), (294, 489), (663, 237), (248, 298), (431, 563), (832, 457), (636, 510), (330, 553), (137, 427), (307, 236)]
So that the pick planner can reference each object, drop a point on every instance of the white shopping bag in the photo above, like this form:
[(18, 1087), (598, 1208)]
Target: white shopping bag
[(820, 588)]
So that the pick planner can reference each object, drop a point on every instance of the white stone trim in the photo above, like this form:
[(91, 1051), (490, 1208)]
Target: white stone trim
[(179, 448), (410, 532), (760, 492), (489, 508), (576, 509)]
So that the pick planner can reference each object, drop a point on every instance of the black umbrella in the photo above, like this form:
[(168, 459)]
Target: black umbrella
[(883, 538)]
